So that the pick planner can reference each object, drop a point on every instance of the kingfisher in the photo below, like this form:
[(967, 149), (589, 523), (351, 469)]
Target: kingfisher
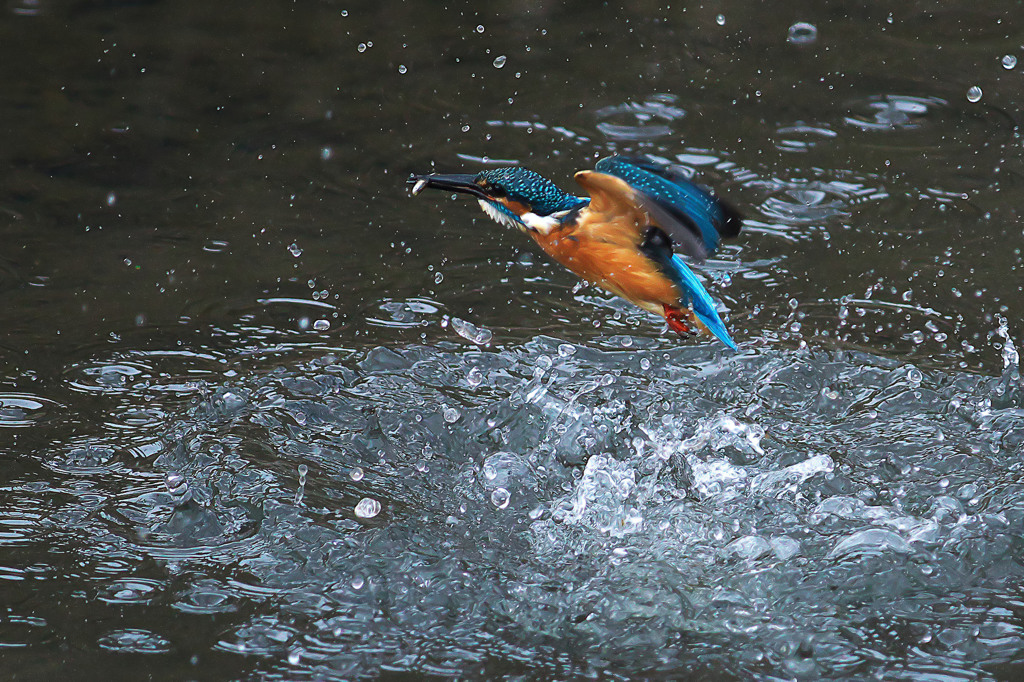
[(623, 237)]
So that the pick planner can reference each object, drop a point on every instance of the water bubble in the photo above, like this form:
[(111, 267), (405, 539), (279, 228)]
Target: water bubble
[(356, 474), (451, 415), (402, 68), (1009, 61), (357, 582), (565, 350), (295, 249), (720, 20), (321, 325), (474, 377), (499, 61), (802, 33), (974, 94), (500, 498), (176, 484), (367, 508)]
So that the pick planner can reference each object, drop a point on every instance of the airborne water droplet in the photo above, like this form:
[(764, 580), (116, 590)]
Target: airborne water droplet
[(499, 61), (1009, 61), (367, 508), (802, 33), (974, 94)]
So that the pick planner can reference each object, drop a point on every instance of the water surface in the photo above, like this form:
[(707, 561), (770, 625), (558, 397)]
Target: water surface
[(263, 415)]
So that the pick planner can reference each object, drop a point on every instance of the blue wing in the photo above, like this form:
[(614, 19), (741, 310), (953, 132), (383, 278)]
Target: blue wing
[(694, 218)]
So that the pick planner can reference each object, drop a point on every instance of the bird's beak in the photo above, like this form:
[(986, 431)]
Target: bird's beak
[(452, 183)]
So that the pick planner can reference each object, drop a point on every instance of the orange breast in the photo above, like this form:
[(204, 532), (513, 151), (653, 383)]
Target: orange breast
[(607, 253)]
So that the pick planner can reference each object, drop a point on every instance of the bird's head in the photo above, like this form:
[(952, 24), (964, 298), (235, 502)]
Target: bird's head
[(511, 196)]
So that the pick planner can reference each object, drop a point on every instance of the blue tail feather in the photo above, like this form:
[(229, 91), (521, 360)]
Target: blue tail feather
[(695, 295)]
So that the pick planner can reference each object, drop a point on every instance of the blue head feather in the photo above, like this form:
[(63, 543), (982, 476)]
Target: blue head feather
[(519, 184)]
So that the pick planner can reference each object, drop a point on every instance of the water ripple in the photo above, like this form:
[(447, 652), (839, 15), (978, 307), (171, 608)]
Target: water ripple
[(893, 112), (19, 410), (645, 120)]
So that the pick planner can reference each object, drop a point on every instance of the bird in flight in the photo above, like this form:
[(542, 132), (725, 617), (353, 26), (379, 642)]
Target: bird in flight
[(623, 237)]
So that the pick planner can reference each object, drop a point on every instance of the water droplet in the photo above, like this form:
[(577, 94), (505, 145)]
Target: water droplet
[(111, 199), (357, 582), (303, 471), (451, 415), (565, 350), (720, 20), (361, 47), (438, 278), (402, 68), (500, 498), (475, 377), (367, 508), (480, 28), (499, 61), (1009, 61), (467, 330), (465, 128), (974, 94), (326, 153), (802, 33), (295, 249), (321, 325), (356, 474), (294, 657), (175, 483)]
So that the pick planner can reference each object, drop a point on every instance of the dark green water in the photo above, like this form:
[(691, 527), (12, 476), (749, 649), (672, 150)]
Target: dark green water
[(226, 326)]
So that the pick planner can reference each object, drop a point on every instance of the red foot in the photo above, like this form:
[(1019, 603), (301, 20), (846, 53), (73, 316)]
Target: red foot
[(677, 320)]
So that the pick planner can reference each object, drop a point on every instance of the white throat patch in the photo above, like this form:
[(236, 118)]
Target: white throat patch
[(499, 216), (526, 222), (543, 224)]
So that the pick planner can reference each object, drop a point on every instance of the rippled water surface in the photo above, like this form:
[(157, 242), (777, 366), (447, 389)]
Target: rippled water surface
[(264, 416)]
